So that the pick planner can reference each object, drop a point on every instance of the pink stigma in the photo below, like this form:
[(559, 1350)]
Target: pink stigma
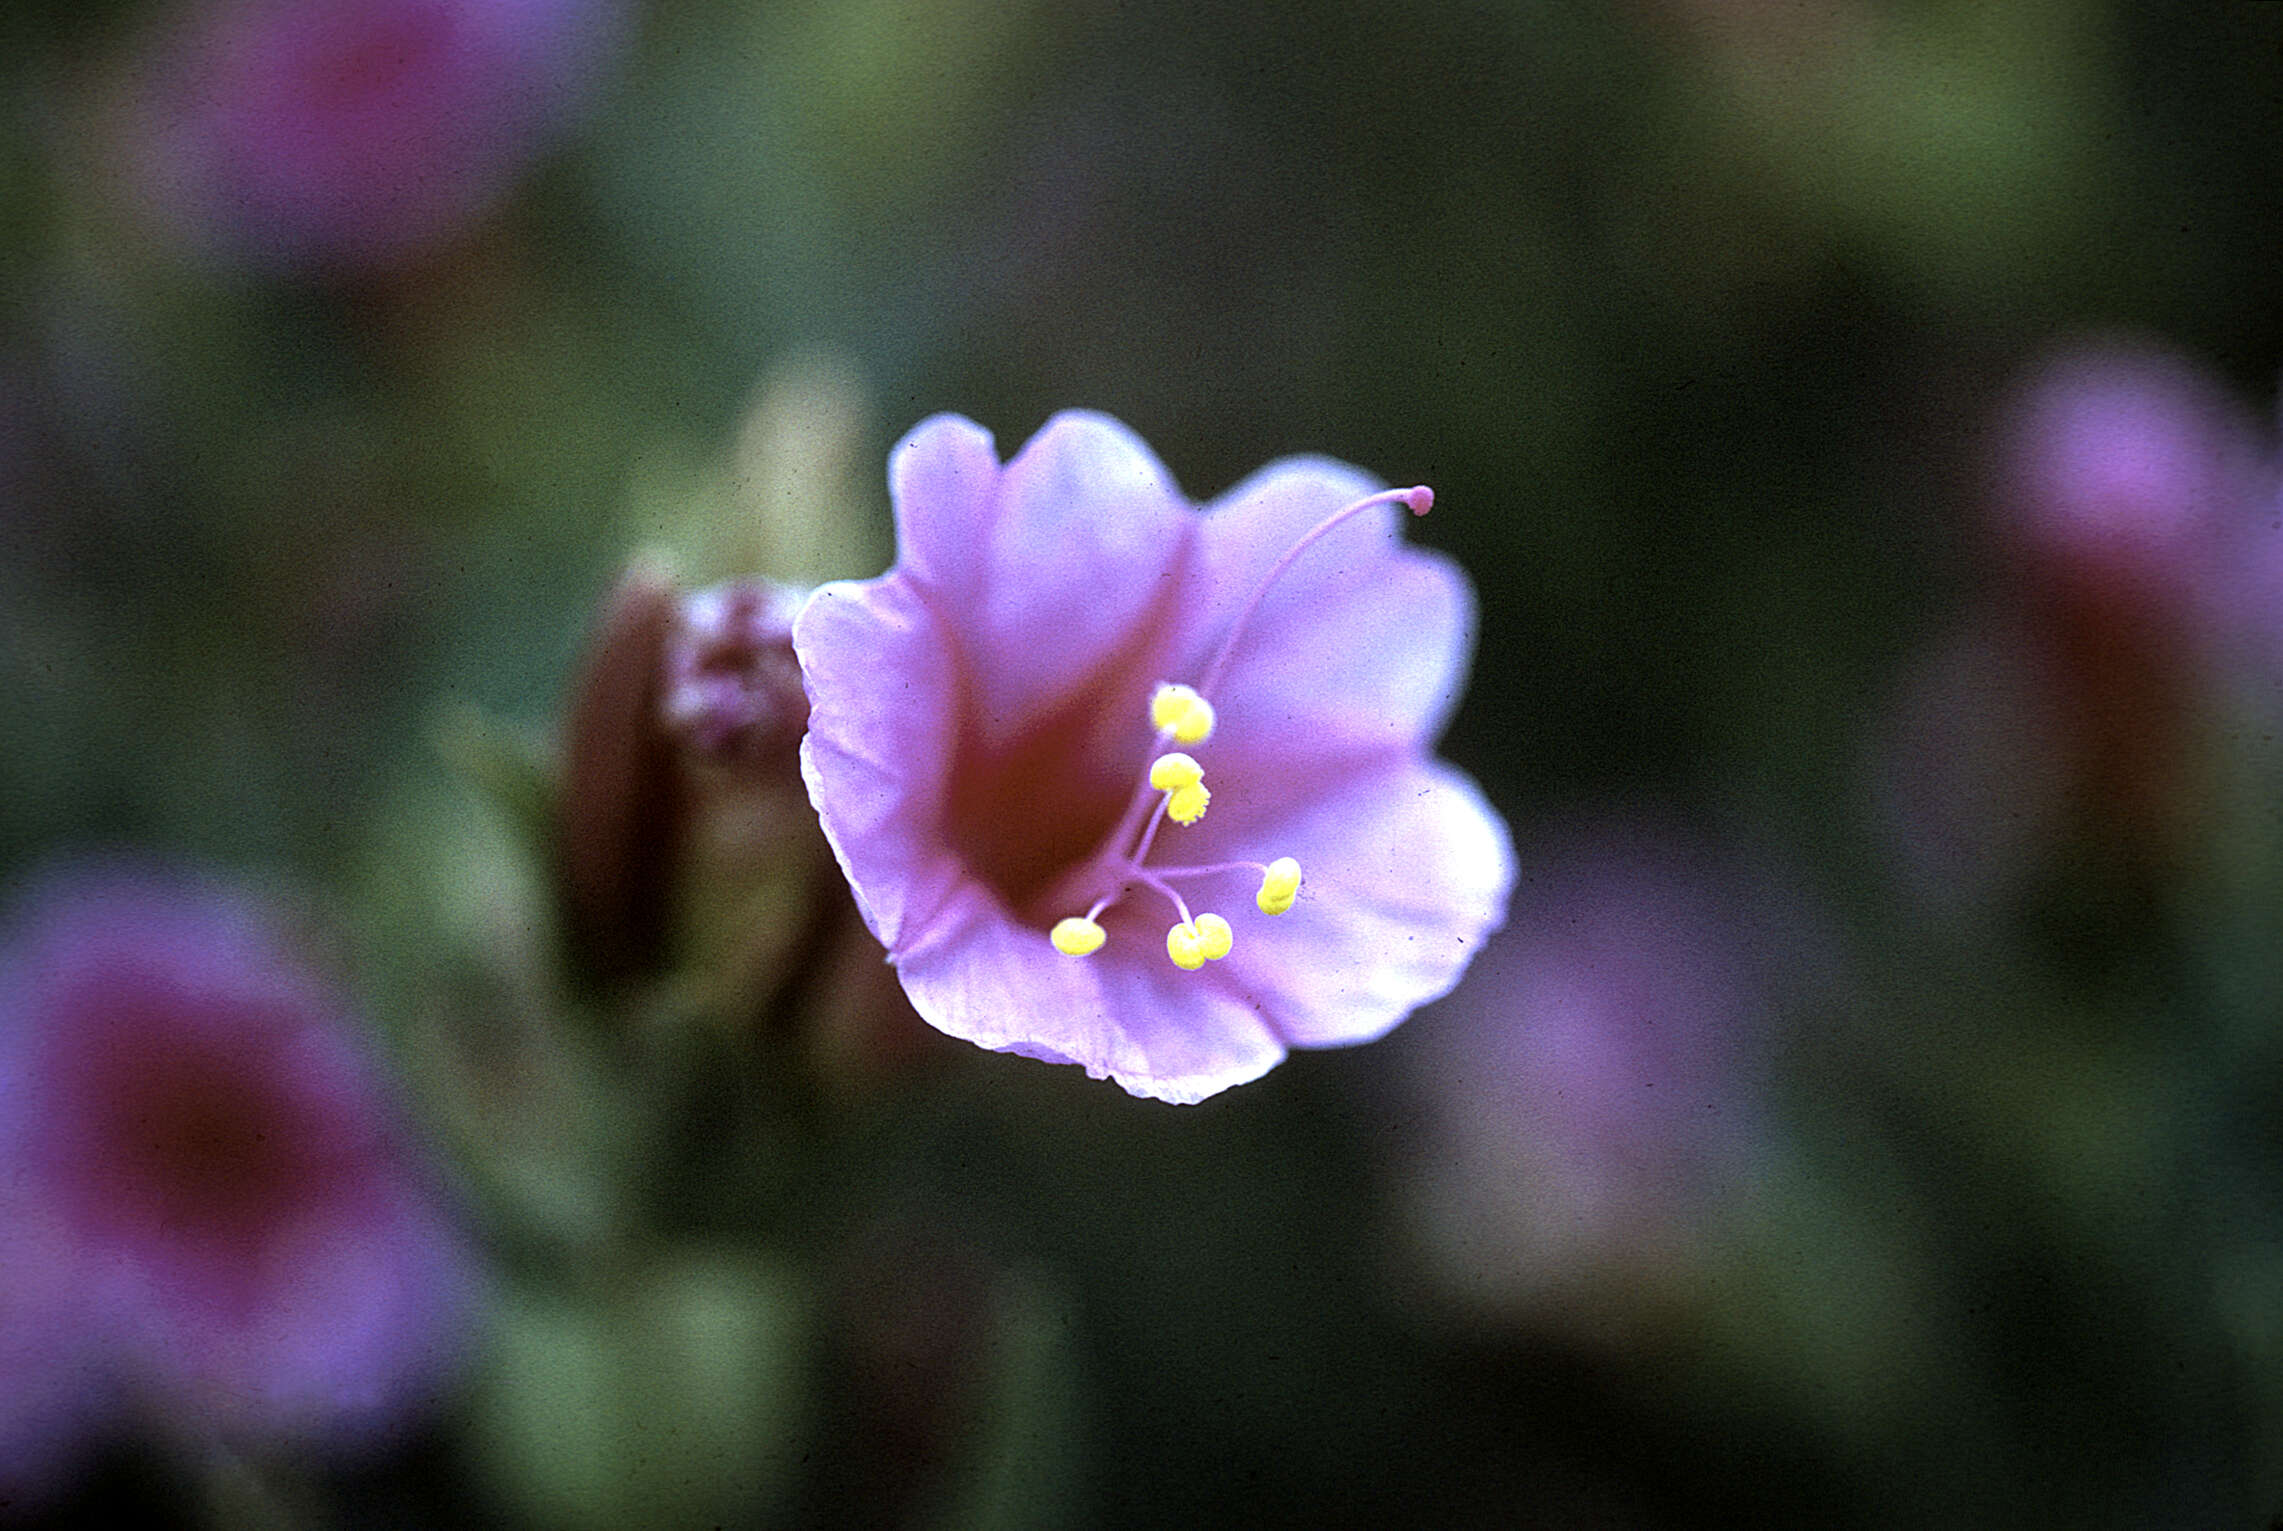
[(1420, 498)]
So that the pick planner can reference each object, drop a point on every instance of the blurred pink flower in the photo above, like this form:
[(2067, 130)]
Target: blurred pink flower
[(2136, 505), (987, 751), (205, 1192), (351, 134), (55, 1390), (1590, 1087), (2130, 474)]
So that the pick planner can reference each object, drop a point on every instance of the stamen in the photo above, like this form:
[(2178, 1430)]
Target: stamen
[(1279, 885), (1078, 936), (1185, 946), (1193, 943), (1182, 780), (1175, 770), (1149, 832), (1419, 499), (1179, 711)]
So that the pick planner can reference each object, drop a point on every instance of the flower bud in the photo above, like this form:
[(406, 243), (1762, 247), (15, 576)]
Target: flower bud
[(618, 815), (732, 688), (752, 871)]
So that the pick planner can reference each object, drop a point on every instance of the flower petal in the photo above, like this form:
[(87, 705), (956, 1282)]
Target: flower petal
[(884, 684), (59, 1386), (1125, 1013), (359, 1339), (1254, 524), (944, 479), (1081, 553), (1406, 871), (1362, 642)]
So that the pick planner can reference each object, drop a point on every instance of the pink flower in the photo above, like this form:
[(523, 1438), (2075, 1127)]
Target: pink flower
[(2132, 476), (2137, 507), (988, 717), (2140, 502), (55, 1391), (1591, 1085), (350, 134), (204, 1190)]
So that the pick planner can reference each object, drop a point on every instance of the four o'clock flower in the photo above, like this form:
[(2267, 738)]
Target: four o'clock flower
[(205, 1192), (1146, 788), (351, 135), (2136, 505), (1591, 1091)]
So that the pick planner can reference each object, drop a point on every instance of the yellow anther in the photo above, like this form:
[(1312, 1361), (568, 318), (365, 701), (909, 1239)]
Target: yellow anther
[(1182, 780), (1077, 936), (1186, 805), (1186, 946), (1279, 886), (1178, 710), (1192, 944), (1175, 770)]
